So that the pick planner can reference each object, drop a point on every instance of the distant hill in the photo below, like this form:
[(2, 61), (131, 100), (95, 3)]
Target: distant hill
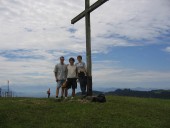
[(164, 94), (94, 93), (104, 89)]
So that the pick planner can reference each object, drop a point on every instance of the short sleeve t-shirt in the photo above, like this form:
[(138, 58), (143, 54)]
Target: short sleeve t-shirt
[(71, 71), (61, 71), (80, 66)]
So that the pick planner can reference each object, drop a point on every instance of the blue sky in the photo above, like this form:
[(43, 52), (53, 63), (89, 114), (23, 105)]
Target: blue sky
[(130, 42)]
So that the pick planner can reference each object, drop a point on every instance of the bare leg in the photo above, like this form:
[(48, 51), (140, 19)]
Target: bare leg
[(66, 92), (62, 92), (57, 91), (73, 92)]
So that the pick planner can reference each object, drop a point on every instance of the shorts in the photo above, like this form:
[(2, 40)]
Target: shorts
[(71, 83), (60, 83)]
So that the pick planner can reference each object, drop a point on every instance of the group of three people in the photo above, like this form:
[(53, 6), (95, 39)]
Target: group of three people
[(70, 73)]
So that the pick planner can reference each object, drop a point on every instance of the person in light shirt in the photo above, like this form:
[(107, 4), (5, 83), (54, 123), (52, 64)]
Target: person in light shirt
[(82, 75), (71, 78), (60, 72)]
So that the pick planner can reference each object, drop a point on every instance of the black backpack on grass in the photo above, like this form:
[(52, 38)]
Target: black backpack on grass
[(100, 98)]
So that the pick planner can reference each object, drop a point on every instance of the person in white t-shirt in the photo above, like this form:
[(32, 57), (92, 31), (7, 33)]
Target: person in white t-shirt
[(71, 77)]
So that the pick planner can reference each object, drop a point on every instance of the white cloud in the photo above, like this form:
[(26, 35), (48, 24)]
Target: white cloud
[(167, 49), (24, 71), (108, 74), (144, 19), (45, 24), (31, 67)]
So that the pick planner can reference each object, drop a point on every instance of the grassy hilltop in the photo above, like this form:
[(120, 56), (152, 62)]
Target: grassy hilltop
[(117, 112)]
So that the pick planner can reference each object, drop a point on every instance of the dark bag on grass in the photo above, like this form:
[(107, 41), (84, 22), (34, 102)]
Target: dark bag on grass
[(100, 98)]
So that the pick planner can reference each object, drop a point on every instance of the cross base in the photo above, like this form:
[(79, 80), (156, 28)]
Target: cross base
[(89, 86)]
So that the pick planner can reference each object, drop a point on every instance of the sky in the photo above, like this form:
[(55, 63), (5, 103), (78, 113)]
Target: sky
[(130, 42)]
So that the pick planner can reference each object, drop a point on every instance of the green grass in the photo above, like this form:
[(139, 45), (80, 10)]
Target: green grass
[(117, 112)]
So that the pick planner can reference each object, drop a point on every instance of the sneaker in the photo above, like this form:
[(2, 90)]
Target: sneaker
[(57, 98), (65, 98), (72, 97)]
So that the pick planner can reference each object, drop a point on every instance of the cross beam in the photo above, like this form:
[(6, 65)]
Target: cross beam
[(86, 14), (88, 10)]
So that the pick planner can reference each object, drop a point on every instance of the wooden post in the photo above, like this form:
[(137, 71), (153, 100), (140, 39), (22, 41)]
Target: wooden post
[(88, 50), (0, 93)]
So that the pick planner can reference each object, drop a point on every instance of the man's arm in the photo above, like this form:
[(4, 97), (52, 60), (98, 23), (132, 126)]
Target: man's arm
[(56, 72), (76, 72), (66, 72)]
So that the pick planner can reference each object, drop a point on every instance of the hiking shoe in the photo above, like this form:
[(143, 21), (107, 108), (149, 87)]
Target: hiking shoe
[(57, 98)]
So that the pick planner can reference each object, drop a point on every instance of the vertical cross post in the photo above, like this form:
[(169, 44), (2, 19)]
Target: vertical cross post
[(0, 92), (88, 49)]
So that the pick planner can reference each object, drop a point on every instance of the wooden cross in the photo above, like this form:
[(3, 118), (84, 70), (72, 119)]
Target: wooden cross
[(86, 14)]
